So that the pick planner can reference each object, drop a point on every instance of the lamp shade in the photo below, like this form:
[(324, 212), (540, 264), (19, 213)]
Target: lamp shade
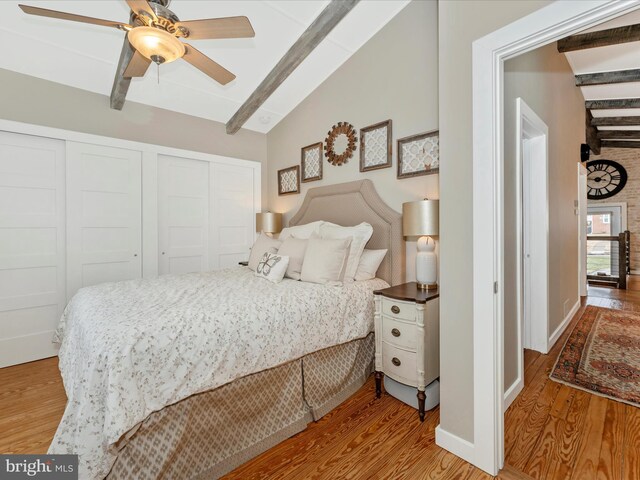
[(268, 222), (420, 218), (156, 44)]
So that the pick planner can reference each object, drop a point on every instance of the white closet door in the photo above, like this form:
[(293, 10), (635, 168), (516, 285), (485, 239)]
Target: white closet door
[(183, 215), (32, 244), (233, 214), (103, 215)]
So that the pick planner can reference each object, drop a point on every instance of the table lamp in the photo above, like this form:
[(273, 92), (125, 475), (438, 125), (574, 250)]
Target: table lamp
[(420, 219), (269, 222)]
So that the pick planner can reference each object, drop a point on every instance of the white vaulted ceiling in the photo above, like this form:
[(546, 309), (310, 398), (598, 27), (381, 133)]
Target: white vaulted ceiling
[(85, 56), (624, 56)]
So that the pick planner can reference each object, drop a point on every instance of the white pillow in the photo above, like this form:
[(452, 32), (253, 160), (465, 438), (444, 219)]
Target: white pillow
[(360, 235), (325, 260), (301, 231), (272, 267), (262, 245), (369, 263), (294, 248)]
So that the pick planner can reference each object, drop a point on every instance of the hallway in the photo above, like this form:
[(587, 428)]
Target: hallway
[(553, 431)]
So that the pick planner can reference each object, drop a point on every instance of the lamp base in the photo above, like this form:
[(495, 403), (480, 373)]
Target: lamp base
[(427, 286)]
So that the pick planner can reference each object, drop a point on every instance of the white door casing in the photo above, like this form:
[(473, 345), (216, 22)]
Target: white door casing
[(104, 224), (32, 246), (233, 201), (548, 24), (582, 230), (183, 215)]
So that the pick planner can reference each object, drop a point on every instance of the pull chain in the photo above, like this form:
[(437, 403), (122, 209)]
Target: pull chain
[(158, 67)]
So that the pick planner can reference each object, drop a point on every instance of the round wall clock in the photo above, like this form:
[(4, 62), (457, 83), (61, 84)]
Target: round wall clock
[(605, 178)]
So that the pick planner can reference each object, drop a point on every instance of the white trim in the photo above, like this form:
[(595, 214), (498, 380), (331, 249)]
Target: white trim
[(513, 391), (563, 325), (623, 211), (456, 445), (581, 213), (542, 27)]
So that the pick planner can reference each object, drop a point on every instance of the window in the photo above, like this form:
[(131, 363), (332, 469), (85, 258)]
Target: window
[(589, 227), (606, 218)]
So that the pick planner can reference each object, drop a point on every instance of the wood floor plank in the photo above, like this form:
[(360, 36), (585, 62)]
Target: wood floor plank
[(591, 434), (611, 451), (631, 449)]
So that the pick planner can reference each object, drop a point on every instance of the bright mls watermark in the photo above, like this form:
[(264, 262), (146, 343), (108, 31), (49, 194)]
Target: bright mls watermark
[(50, 467)]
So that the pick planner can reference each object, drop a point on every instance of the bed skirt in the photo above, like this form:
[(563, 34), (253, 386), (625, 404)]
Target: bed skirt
[(207, 435)]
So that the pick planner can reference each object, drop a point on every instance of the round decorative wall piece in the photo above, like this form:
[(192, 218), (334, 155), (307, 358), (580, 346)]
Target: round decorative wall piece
[(340, 143), (605, 178)]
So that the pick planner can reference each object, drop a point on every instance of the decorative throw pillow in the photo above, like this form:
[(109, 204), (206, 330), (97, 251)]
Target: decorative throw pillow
[(272, 267), (294, 248), (360, 235), (301, 231), (325, 260), (369, 263), (262, 245)]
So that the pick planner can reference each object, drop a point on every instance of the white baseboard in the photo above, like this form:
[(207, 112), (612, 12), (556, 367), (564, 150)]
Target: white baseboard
[(562, 327), (456, 445), (512, 392)]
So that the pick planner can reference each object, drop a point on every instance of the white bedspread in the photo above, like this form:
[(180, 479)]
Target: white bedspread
[(131, 348)]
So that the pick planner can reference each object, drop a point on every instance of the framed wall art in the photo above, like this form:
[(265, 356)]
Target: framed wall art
[(419, 155), (289, 180), (311, 162), (375, 146)]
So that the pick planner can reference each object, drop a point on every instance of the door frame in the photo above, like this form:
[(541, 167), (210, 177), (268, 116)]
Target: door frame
[(582, 206), (489, 53), (532, 335)]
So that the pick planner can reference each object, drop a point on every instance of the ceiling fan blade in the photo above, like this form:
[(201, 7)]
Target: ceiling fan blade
[(137, 66), (228, 27), (138, 6), (43, 12), (208, 66)]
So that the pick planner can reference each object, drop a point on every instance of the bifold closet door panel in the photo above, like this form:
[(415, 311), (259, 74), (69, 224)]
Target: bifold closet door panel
[(232, 214), (32, 246), (104, 221), (183, 215)]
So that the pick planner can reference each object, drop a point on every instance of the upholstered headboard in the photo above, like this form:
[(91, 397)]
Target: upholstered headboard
[(351, 203)]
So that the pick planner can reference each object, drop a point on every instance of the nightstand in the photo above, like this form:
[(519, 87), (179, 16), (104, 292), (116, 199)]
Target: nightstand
[(407, 331), (244, 264)]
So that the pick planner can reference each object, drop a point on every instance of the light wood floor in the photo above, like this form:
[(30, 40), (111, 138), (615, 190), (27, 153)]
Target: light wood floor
[(551, 431)]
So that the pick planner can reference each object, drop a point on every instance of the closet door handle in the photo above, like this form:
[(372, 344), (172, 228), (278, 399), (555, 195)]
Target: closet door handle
[(395, 309), (395, 332), (135, 254), (396, 361)]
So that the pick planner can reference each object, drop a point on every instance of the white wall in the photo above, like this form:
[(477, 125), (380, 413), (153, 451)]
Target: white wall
[(545, 81), (460, 23), (393, 76)]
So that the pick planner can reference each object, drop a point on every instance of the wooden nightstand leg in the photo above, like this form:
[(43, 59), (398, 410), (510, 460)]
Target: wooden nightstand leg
[(421, 398), (379, 376)]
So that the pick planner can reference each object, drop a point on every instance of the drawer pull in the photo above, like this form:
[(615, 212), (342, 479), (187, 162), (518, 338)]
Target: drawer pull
[(395, 309), (395, 332), (396, 361)]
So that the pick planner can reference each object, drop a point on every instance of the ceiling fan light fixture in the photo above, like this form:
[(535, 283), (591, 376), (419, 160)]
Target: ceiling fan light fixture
[(153, 42)]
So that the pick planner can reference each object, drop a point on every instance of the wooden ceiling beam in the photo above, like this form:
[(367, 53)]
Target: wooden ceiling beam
[(308, 41), (619, 144), (614, 121), (591, 134), (120, 86), (602, 38), (616, 103), (605, 78), (619, 134)]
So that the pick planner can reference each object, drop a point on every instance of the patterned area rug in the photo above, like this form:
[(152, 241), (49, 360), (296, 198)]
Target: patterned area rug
[(602, 355)]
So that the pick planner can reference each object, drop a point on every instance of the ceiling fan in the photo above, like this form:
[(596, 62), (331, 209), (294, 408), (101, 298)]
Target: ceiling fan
[(154, 32)]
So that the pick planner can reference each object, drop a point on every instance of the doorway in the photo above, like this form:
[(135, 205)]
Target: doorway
[(533, 230)]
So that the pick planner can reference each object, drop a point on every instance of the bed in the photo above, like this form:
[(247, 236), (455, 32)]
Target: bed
[(187, 377)]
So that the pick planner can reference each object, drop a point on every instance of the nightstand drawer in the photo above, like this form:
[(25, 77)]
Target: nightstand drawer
[(398, 309), (399, 333), (401, 365)]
